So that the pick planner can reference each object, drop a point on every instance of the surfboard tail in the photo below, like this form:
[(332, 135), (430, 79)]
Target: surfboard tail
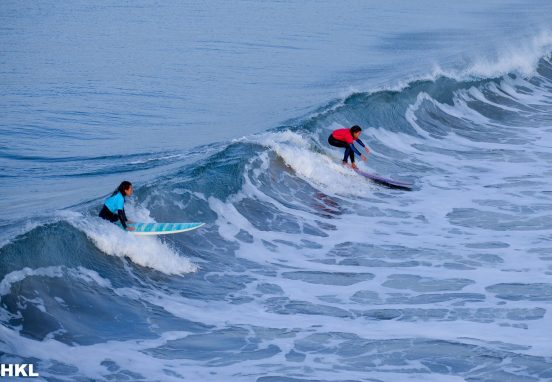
[(385, 182)]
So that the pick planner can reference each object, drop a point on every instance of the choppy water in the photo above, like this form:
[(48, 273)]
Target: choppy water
[(304, 271)]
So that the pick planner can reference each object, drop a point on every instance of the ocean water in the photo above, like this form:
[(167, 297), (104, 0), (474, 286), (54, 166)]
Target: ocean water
[(219, 112)]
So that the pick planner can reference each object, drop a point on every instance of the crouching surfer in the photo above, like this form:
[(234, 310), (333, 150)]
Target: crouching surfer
[(113, 209), (345, 138)]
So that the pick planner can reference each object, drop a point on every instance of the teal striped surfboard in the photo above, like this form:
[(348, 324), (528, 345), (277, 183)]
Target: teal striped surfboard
[(162, 228)]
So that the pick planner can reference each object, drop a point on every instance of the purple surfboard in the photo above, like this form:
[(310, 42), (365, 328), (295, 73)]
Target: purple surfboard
[(386, 182)]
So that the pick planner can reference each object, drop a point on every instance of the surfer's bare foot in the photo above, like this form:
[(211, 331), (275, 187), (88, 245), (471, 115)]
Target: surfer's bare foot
[(354, 166), (346, 164)]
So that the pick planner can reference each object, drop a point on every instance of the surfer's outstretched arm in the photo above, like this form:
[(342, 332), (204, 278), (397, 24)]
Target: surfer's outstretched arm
[(352, 147), (355, 150), (126, 218), (363, 145)]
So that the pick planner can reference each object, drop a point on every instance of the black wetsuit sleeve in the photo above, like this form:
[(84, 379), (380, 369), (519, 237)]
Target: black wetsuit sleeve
[(360, 143), (122, 218)]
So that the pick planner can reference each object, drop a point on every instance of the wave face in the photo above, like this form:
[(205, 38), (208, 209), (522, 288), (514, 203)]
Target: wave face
[(305, 271)]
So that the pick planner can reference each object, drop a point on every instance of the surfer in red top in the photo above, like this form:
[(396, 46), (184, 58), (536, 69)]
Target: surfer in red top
[(345, 138)]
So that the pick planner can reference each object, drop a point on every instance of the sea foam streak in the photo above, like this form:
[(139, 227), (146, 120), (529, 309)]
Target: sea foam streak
[(145, 251)]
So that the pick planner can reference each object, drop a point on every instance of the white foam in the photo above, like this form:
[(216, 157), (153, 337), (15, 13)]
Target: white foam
[(138, 212), (521, 57), (82, 273), (454, 141), (17, 276), (314, 167), (145, 251), (17, 229)]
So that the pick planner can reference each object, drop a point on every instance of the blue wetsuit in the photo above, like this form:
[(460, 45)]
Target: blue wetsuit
[(114, 209)]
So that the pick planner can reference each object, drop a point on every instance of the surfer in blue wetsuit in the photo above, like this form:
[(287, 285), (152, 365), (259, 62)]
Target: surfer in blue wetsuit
[(114, 206), (345, 138)]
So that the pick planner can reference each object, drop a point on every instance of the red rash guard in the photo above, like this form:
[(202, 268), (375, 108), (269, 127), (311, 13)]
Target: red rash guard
[(343, 135)]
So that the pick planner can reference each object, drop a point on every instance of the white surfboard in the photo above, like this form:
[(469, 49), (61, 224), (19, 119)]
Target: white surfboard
[(162, 228)]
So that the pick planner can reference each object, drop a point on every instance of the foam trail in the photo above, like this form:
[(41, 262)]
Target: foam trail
[(521, 57), (148, 252), (316, 168)]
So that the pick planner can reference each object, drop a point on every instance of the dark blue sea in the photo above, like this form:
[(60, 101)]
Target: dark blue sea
[(219, 112)]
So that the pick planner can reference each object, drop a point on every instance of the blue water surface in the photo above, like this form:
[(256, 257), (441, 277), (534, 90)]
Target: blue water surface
[(219, 112)]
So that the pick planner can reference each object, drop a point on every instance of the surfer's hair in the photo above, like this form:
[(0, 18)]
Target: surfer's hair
[(125, 185), (355, 129)]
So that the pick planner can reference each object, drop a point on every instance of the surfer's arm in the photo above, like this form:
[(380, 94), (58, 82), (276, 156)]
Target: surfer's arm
[(363, 145), (122, 218), (352, 147), (126, 219)]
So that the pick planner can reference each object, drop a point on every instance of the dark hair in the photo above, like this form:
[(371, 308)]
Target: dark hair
[(355, 129), (122, 188)]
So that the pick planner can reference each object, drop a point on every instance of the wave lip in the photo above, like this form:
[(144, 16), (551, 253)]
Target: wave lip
[(148, 252), (521, 58)]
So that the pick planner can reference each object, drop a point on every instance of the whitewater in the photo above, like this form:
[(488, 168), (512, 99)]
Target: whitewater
[(304, 271)]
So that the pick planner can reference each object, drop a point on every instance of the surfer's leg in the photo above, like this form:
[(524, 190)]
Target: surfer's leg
[(108, 215), (336, 143), (347, 154)]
